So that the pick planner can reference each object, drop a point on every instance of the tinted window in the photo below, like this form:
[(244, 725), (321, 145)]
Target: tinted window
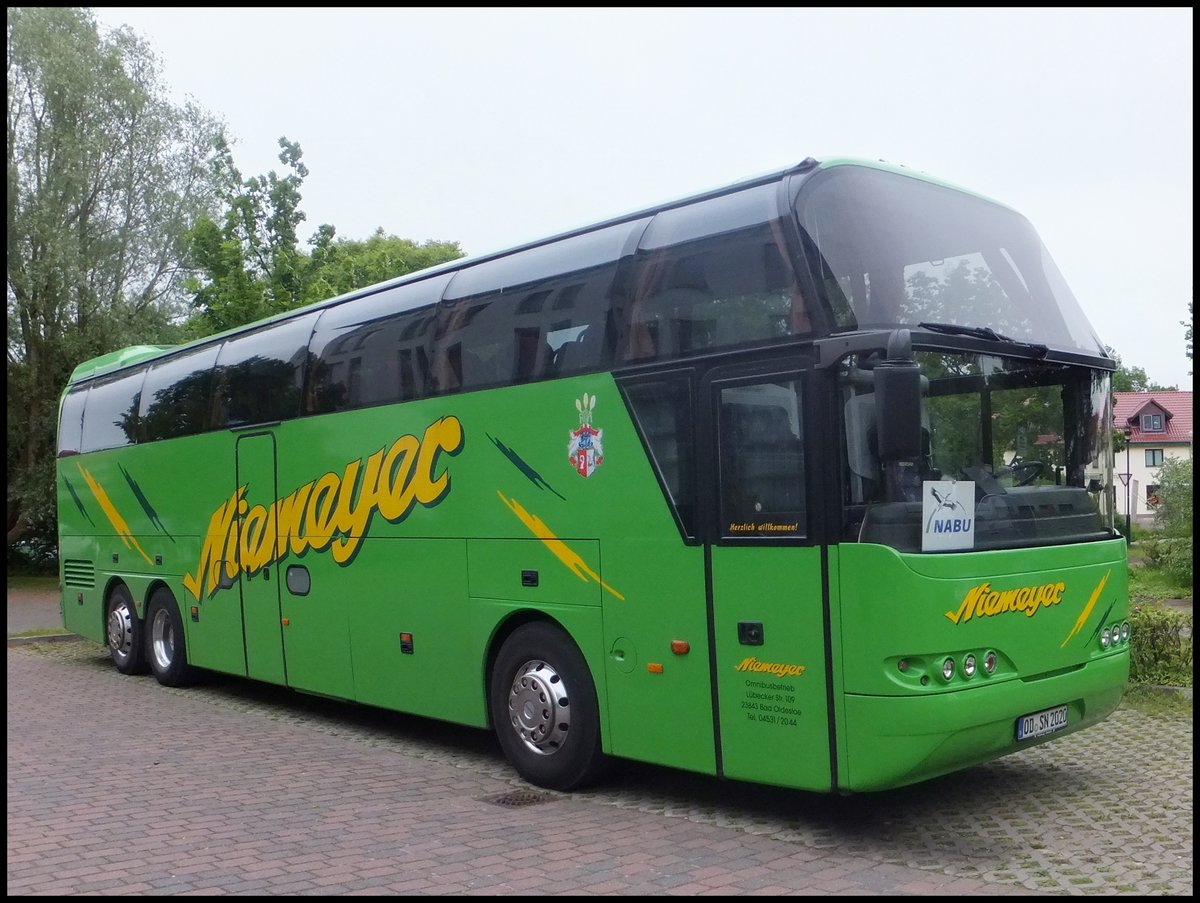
[(713, 275), (762, 461), (70, 422), (537, 314), (893, 250), (110, 418), (663, 411), (375, 350), (259, 376), (177, 396)]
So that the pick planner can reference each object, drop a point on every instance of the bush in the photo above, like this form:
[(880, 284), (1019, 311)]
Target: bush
[(1160, 646), (1172, 554), (32, 556)]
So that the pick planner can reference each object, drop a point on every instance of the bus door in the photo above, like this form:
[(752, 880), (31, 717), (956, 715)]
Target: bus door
[(256, 470), (765, 575)]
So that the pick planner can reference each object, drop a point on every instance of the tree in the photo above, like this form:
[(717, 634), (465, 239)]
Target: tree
[(105, 176), (251, 264), (1187, 334), (1174, 513), (343, 265)]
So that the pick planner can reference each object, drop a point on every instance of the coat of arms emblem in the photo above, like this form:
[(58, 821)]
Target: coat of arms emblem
[(586, 448)]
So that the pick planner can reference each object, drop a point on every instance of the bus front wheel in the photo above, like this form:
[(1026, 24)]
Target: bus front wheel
[(543, 706), (166, 649), (125, 633)]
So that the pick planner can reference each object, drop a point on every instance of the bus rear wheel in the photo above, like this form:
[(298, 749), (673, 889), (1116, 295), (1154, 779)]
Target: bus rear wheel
[(124, 632), (166, 649), (543, 706)]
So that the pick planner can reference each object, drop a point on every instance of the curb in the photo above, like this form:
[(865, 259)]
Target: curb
[(47, 638)]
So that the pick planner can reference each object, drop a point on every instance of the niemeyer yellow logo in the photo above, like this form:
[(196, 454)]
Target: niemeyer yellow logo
[(750, 663), (984, 601), (332, 512)]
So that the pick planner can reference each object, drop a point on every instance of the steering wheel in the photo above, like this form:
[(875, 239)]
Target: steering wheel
[(1026, 472)]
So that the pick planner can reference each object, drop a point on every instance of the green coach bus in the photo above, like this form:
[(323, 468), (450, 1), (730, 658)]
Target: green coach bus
[(804, 481)]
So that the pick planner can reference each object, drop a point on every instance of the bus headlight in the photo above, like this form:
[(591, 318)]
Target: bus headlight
[(948, 668), (989, 662), (969, 666), (1125, 632), (1105, 638)]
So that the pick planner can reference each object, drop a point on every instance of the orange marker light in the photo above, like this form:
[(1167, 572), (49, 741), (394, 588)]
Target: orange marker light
[(285, 622), (680, 647), (654, 667)]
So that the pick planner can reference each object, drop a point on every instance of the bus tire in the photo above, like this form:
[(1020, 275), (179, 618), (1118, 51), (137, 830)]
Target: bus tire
[(166, 646), (544, 709), (124, 632)]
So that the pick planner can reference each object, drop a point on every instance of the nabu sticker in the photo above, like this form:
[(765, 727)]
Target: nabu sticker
[(586, 448), (948, 515)]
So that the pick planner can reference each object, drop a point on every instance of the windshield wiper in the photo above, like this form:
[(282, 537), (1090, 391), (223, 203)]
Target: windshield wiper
[(980, 332), (983, 332)]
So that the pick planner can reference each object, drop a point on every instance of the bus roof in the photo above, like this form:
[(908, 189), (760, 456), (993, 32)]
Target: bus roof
[(125, 357)]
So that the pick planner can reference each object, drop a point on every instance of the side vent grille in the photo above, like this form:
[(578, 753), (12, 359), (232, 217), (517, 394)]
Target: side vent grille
[(79, 573)]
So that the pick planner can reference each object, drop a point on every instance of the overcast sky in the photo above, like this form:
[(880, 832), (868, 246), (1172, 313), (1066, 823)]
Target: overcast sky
[(493, 127)]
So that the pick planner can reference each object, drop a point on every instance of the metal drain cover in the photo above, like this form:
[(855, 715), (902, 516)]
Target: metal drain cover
[(516, 798)]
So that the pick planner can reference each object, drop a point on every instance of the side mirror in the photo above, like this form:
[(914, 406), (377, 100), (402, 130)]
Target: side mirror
[(898, 401)]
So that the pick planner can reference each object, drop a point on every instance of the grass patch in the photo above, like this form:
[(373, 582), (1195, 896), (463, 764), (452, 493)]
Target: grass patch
[(1153, 584), (33, 582), (39, 631), (1152, 701)]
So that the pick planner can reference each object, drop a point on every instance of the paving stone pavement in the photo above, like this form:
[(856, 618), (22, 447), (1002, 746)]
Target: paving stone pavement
[(117, 785)]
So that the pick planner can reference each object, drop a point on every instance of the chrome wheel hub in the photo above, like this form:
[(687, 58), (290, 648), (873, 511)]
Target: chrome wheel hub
[(162, 640), (120, 630), (538, 707)]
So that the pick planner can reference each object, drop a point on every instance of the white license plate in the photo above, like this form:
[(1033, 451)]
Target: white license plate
[(1041, 723)]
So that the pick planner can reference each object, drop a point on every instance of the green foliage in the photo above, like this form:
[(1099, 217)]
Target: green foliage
[(1172, 555), (1174, 513), (1150, 583), (105, 176), (1160, 646), (341, 266), (251, 264)]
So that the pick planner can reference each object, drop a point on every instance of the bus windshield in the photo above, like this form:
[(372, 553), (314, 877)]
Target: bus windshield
[(893, 250), (1025, 439)]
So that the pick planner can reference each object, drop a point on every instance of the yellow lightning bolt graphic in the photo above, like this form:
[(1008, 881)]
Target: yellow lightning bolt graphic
[(561, 550), (1087, 610), (114, 516)]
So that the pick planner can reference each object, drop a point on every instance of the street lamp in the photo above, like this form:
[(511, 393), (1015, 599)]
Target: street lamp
[(1128, 480)]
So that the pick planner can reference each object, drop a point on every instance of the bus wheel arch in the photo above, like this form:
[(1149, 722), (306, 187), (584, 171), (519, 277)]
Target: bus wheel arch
[(542, 703), (123, 629), (165, 639)]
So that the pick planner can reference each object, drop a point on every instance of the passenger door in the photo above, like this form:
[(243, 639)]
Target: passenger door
[(766, 579), (256, 470)]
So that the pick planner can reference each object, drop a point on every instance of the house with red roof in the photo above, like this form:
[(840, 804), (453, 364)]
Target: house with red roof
[(1157, 426)]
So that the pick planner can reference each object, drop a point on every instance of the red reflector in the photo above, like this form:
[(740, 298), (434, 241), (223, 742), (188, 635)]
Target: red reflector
[(654, 668), (406, 638), (680, 647)]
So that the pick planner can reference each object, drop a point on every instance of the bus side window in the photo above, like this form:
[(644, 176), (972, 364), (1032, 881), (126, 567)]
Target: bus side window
[(70, 424), (259, 376), (663, 411), (110, 416), (711, 275), (762, 462), (374, 350), (177, 395)]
